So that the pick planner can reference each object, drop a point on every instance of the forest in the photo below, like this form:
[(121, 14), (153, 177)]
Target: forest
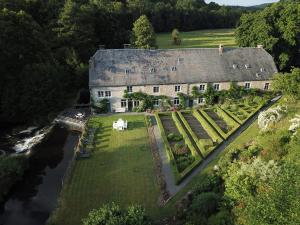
[(45, 45)]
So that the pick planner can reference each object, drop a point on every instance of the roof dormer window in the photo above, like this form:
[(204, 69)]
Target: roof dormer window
[(173, 68), (234, 66), (152, 70), (262, 69), (247, 66)]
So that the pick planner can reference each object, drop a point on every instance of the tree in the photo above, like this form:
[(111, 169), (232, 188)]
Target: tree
[(113, 215), (288, 83), (175, 37), (143, 33), (277, 28)]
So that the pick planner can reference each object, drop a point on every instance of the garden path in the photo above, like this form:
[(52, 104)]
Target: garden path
[(166, 167)]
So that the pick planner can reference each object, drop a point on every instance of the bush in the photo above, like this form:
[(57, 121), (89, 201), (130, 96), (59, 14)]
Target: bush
[(180, 149), (205, 204), (112, 214), (174, 137)]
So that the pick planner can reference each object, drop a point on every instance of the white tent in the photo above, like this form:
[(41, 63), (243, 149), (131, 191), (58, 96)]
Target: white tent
[(120, 124)]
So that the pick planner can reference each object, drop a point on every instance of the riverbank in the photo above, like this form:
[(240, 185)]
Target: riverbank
[(34, 197)]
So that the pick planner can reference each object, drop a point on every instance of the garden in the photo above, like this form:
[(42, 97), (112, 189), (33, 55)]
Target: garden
[(192, 135)]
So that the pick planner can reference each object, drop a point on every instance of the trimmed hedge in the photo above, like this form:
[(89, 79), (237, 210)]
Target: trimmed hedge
[(211, 132), (184, 135), (214, 124), (194, 136), (168, 149)]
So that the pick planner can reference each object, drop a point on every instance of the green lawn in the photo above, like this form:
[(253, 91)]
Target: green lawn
[(120, 170), (199, 39)]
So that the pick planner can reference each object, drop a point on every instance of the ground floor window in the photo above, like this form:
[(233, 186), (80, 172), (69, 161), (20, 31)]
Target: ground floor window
[(201, 100), (176, 101), (266, 87), (156, 102), (123, 103), (136, 103)]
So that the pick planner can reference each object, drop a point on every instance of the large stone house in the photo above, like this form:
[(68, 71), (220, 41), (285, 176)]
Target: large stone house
[(167, 72)]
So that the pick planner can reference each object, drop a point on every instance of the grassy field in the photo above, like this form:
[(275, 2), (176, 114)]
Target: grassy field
[(199, 39), (120, 170)]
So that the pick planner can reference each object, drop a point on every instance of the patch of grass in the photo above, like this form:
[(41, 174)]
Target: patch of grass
[(199, 39), (120, 170)]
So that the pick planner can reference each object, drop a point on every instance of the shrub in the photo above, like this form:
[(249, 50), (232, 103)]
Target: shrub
[(180, 149), (268, 118), (174, 137), (207, 143)]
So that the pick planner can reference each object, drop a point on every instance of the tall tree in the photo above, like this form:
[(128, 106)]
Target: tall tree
[(276, 27), (143, 33)]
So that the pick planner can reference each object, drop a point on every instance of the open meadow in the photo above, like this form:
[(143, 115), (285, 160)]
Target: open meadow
[(199, 39)]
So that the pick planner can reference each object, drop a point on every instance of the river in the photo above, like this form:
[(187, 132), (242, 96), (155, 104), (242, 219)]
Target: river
[(33, 198)]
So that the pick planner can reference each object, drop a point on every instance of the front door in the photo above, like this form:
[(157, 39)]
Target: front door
[(130, 105), (191, 103)]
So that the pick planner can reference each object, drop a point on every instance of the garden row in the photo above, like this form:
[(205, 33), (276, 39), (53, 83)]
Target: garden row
[(190, 136)]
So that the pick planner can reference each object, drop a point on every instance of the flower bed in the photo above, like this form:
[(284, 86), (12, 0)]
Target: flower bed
[(182, 155)]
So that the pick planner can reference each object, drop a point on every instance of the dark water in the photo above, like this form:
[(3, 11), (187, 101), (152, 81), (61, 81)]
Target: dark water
[(33, 198)]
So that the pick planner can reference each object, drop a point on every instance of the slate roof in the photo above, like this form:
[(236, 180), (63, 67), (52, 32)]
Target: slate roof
[(121, 67)]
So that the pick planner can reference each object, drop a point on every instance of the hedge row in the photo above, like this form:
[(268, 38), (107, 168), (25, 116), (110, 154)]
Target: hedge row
[(188, 142), (168, 148), (211, 132), (184, 135), (233, 116), (213, 124), (230, 122), (194, 136)]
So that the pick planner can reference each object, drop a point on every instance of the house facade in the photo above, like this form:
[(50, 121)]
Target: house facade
[(167, 72)]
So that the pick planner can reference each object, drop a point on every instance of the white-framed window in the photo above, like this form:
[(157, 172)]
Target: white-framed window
[(156, 102), (136, 103), (201, 100), (247, 85), (155, 89), (201, 87), (247, 66), (173, 68), (176, 101), (129, 89), (216, 87), (100, 94), (266, 87), (127, 71), (177, 88), (123, 103), (107, 94)]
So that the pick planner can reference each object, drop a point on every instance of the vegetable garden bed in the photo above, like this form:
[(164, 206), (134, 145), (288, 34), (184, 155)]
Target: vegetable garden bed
[(181, 152)]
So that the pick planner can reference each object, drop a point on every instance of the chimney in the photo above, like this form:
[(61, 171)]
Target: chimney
[(221, 49), (260, 46), (101, 46)]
